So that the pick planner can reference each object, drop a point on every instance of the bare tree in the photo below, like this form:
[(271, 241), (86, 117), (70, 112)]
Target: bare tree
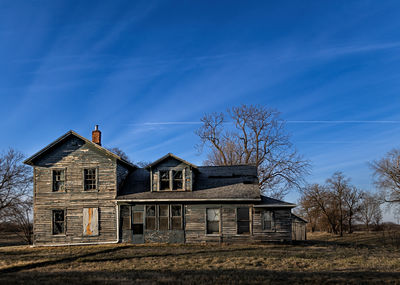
[(119, 152), (15, 181), (322, 201), (333, 206), (21, 216), (352, 200), (371, 211), (387, 174), (257, 137)]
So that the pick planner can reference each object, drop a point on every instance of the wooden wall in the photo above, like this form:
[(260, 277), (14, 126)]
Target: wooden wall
[(74, 155), (195, 224)]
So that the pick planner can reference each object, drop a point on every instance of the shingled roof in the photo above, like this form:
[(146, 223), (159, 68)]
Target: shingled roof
[(40, 153), (212, 183)]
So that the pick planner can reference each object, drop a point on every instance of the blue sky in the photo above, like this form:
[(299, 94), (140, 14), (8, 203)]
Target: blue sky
[(147, 71)]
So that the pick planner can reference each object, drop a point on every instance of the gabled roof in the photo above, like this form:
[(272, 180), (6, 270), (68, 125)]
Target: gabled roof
[(267, 202), (299, 218), (41, 152), (168, 155)]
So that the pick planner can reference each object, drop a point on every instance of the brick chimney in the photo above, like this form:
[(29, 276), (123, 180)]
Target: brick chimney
[(96, 135)]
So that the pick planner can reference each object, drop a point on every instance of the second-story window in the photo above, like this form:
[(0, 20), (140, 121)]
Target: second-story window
[(90, 179), (58, 180), (164, 180), (177, 183)]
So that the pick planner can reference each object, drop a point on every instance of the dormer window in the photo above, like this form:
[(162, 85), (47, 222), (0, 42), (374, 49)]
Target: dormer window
[(171, 173), (164, 180), (177, 183)]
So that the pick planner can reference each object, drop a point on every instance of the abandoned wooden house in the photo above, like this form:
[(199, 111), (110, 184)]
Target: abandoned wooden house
[(85, 194)]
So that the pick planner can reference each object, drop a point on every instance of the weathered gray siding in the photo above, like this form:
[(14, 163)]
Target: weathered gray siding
[(74, 155), (195, 226)]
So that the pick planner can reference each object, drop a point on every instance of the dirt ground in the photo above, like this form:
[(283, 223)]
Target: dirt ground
[(366, 258)]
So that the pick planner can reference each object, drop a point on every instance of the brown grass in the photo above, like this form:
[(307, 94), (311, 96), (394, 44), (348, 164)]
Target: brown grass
[(356, 258)]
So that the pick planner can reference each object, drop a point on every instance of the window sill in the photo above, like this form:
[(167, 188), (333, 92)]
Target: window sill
[(59, 235), (213, 235), (91, 191)]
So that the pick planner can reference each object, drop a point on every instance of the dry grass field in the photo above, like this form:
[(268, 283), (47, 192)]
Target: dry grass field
[(324, 259)]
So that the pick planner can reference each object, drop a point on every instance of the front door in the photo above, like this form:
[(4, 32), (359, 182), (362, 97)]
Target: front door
[(137, 225)]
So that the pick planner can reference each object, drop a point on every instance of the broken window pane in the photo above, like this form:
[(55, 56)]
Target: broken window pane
[(90, 180), (164, 180), (58, 222), (176, 210), (58, 180), (213, 218), (177, 180)]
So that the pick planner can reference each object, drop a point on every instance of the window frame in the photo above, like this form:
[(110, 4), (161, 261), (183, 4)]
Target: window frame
[(171, 179), (219, 221), (273, 221), (96, 168), (172, 217), (168, 216), (160, 180), (173, 171), (53, 181), (155, 217), (249, 221), (64, 222)]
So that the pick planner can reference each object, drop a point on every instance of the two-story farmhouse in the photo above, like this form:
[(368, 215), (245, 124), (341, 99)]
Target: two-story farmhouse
[(85, 194)]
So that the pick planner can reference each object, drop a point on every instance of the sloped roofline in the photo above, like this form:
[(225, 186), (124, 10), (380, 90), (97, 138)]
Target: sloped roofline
[(267, 202), (300, 218), (167, 156), (29, 160)]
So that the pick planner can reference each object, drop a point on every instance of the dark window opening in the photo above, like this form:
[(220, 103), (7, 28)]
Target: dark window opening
[(58, 222), (58, 180), (150, 217), (176, 217), (90, 179), (213, 219), (243, 221), (177, 180), (164, 180)]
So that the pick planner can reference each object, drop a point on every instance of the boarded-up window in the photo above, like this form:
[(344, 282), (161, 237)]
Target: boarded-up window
[(213, 219), (58, 222), (177, 180), (164, 180), (163, 217), (150, 217), (90, 178), (243, 221), (58, 180), (176, 217), (268, 220), (90, 221)]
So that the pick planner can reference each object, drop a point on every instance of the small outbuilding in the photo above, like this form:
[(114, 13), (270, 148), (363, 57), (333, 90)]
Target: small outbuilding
[(299, 228)]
